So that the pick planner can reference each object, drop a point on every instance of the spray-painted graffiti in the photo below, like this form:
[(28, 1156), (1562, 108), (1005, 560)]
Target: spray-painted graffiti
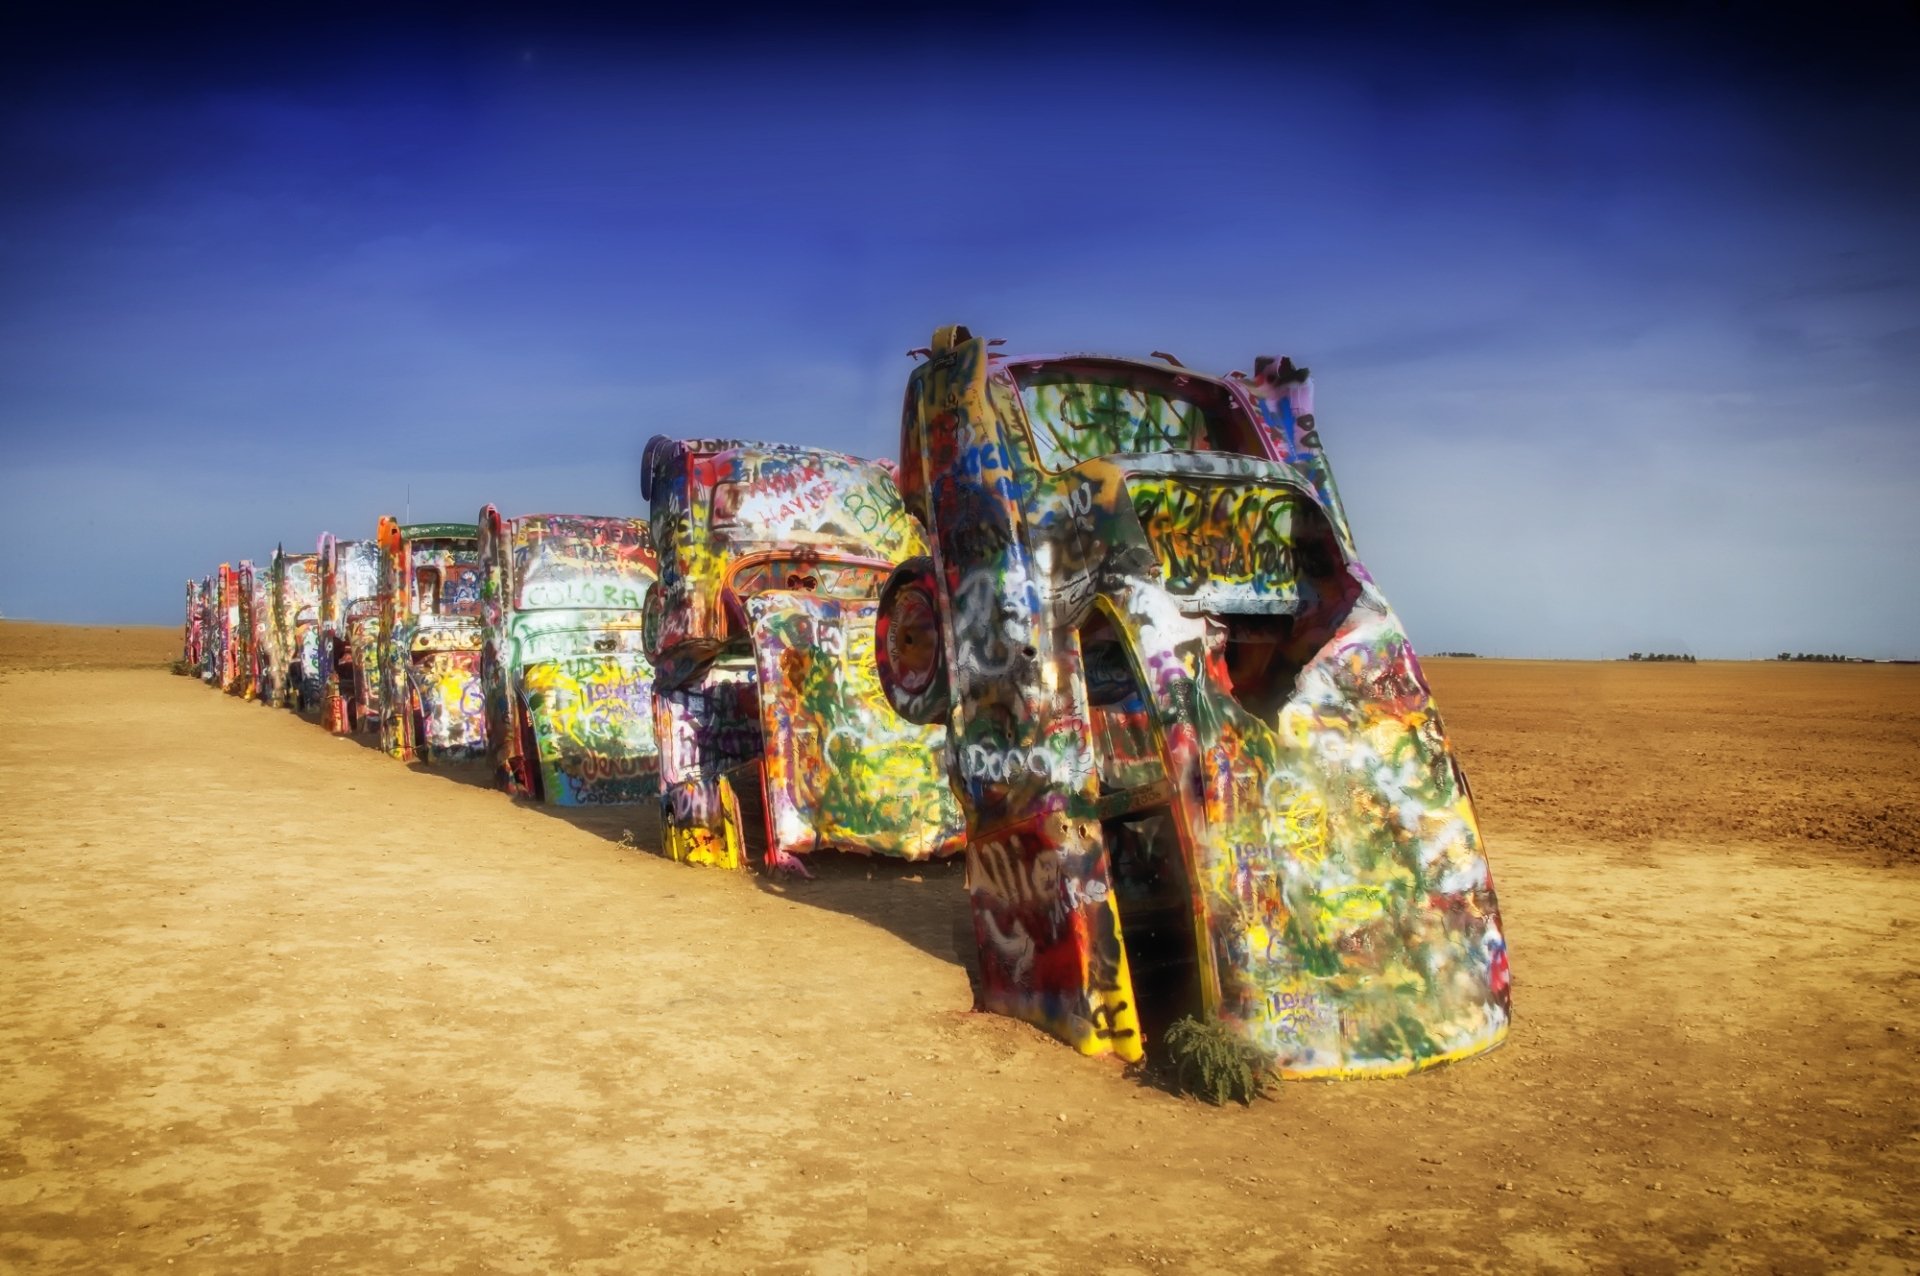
[(236, 629), (774, 732), (708, 728), (193, 627), (1044, 922), (566, 687), (260, 680), (1219, 544), (431, 707), (842, 768), (452, 721), (294, 591), (1071, 420), (349, 634), (588, 715), (213, 628), (1200, 763)]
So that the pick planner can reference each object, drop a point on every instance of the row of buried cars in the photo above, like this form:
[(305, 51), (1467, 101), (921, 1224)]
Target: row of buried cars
[(1103, 630)]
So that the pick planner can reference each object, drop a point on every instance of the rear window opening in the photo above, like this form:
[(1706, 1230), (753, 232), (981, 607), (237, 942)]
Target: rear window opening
[(426, 591), (833, 578), (1264, 654), (1260, 673)]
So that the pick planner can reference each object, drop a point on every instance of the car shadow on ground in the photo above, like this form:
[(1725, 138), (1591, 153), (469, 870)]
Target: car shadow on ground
[(924, 904), (474, 774)]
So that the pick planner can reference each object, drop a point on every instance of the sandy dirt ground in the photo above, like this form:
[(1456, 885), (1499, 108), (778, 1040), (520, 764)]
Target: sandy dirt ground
[(276, 1003)]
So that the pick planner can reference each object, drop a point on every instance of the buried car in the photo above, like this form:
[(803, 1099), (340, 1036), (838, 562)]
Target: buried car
[(261, 684), (208, 642), (236, 629), (349, 634), (294, 594), (430, 700), (1204, 773), (568, 690), (217, 638), (193, 627), (774, 733)]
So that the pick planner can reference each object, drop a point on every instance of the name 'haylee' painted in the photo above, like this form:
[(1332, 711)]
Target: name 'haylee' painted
[(617, 595)]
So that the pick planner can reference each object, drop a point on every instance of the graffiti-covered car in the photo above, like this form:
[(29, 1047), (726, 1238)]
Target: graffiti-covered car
[(567, 686), (774, 733), (1203, 770), (236, 628), (349, 634), (294, 594), (193, 627), (207, 662), (261, 685), (430, 700), (217, 636)]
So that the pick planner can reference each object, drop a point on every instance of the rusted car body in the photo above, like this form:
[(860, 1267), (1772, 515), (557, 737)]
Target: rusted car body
[(294, 594), (431, 708), (349, 634), (1203, 770), (774, 733), (568, 689)]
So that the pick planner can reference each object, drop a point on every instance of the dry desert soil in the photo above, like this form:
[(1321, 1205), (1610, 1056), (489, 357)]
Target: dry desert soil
[(274, 1002)]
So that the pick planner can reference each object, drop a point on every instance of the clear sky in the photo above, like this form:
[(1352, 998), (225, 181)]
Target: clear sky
[(1614, 315)]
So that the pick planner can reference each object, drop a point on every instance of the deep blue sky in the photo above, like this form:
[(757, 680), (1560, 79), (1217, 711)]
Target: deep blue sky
[(1614, 315)]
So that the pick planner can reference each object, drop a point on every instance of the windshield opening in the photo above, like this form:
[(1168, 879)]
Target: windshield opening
[(1077, 413), (446, 577)]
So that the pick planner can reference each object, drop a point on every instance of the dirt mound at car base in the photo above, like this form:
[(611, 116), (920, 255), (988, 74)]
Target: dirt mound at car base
[(277, 998)]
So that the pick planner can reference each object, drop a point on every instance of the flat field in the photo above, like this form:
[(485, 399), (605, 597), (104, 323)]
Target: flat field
[(276, 1003)]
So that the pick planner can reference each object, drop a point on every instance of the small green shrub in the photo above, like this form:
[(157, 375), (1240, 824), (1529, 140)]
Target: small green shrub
[(182, 668), (1214, 1062)]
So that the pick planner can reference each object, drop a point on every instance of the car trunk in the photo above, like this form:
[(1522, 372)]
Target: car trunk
[(842, 768), (589, 699)]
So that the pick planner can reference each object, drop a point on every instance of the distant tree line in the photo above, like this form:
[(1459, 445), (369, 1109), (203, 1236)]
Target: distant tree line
[(1829, 657), (1459, 655), (1661, 655)]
